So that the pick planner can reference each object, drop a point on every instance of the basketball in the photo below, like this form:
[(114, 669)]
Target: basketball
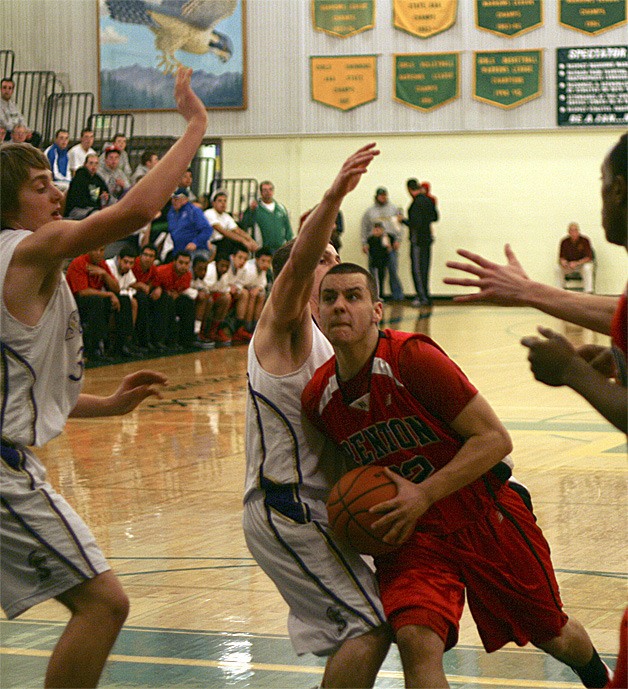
[(348, 508)]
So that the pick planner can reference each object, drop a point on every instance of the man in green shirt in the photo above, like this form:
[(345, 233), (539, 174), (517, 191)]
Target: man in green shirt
[(269, 219)]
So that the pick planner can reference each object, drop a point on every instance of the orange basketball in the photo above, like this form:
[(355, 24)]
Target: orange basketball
[(348, 508)]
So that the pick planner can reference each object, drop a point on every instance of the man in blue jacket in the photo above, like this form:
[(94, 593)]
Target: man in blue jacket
[(188, 226)]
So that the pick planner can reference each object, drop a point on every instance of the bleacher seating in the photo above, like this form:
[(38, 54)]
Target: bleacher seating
[(32, 88), (240, 191), (7, 60), (69, 111), (106, 126)]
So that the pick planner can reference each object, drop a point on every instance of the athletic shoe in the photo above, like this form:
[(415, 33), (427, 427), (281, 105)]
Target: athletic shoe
[(222, 338), (242, 335), (203, 343)]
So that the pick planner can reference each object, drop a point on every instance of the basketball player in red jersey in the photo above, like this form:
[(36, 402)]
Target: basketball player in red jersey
[(396, 399)]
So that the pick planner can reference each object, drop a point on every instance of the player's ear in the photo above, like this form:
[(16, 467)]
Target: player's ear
[(378, 312)]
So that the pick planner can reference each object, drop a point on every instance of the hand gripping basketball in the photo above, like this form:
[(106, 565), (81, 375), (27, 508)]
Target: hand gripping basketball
[(348, 509)]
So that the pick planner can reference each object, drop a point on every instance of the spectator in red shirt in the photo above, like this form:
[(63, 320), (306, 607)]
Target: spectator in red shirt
[(147, 292), (96, 293), (174, 303), (576, 256)]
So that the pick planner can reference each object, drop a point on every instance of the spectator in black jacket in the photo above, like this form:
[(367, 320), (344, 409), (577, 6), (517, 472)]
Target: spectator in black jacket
[(87, 192)]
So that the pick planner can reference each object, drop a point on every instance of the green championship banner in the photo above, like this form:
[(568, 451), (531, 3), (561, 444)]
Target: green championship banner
[(344, 82), (508, 17), (343, 19), (592, 16), (424, 18), (507, 78), (426, 80)]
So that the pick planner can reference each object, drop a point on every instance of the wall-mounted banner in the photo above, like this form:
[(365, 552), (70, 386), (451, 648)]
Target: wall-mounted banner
[(592, 86), (426, 80), (508, 17), (592, 16), (343, 19), (507, 78), (344, 82), (424, 18)]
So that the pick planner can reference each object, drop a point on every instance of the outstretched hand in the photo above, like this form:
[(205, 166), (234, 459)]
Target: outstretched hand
[(134, 389), (402, 512), (550, 359), (353, 169), (188, 103), (498, 284)]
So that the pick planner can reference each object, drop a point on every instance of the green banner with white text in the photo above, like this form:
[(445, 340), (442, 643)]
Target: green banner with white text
[(343, 19), (508, 17), (426, 80), (507, 79)]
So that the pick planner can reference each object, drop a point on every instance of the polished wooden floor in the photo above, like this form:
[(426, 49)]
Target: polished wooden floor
[(161, 488)]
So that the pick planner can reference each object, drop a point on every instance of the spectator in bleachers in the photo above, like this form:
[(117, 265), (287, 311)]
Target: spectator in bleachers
[(203, 302), (78, 153), (10, 116), (121, 268), (19, 134), (186, 182), (174, 310), (239, 296), (253, 278), (95, 291), (148, 160), (147, 292), (115, 178), (57, 154), (268, 218), (219, 280), (119, 142), (187, 225), (227, 235), (87, 191)]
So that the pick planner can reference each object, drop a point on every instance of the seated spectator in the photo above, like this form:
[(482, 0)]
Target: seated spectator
[(233, 323), (121, 268), (174, 310), (78, 153), (148, 160), (224, 291), (147, 292), (87, 191), (227, 235), (186, 182), (188, 227), (203, 300), (115, 178), (576, 256), (253, 278), (57, 154), (19, 134), (119, 142), (11, 117), (96, 293)]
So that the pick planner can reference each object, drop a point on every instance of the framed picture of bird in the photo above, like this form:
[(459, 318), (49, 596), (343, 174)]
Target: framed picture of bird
[(143, 42)]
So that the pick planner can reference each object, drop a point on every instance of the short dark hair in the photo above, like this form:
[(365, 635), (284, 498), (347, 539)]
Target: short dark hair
[(199, 258), (263, 251), (146, 156), (150, 247), (350, 269), (413, 184), (184, 253), (118, 135), (7, 79), (617, 158), (281, 256), (86, 129), (127, 250), (59, 132)]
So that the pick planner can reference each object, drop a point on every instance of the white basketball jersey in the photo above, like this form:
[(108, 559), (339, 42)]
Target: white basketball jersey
[(282, 446), (41, 367)]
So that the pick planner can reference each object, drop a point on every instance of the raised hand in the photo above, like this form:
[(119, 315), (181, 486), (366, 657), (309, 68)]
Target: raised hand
[(353, 169), (498, 284), (188, 103)]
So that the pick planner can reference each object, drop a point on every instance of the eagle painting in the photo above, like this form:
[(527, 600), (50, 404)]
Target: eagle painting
[(186, 25)]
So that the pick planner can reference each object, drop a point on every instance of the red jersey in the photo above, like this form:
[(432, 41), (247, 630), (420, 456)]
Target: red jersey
[(171, 281), (148, 277), (79, 279), (413, 391)]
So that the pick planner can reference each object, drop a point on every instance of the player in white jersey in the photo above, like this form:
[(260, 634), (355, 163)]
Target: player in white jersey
[(46, 550), (332, 595)]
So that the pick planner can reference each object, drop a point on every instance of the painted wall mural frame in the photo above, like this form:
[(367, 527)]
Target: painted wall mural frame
[(140, 45)]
